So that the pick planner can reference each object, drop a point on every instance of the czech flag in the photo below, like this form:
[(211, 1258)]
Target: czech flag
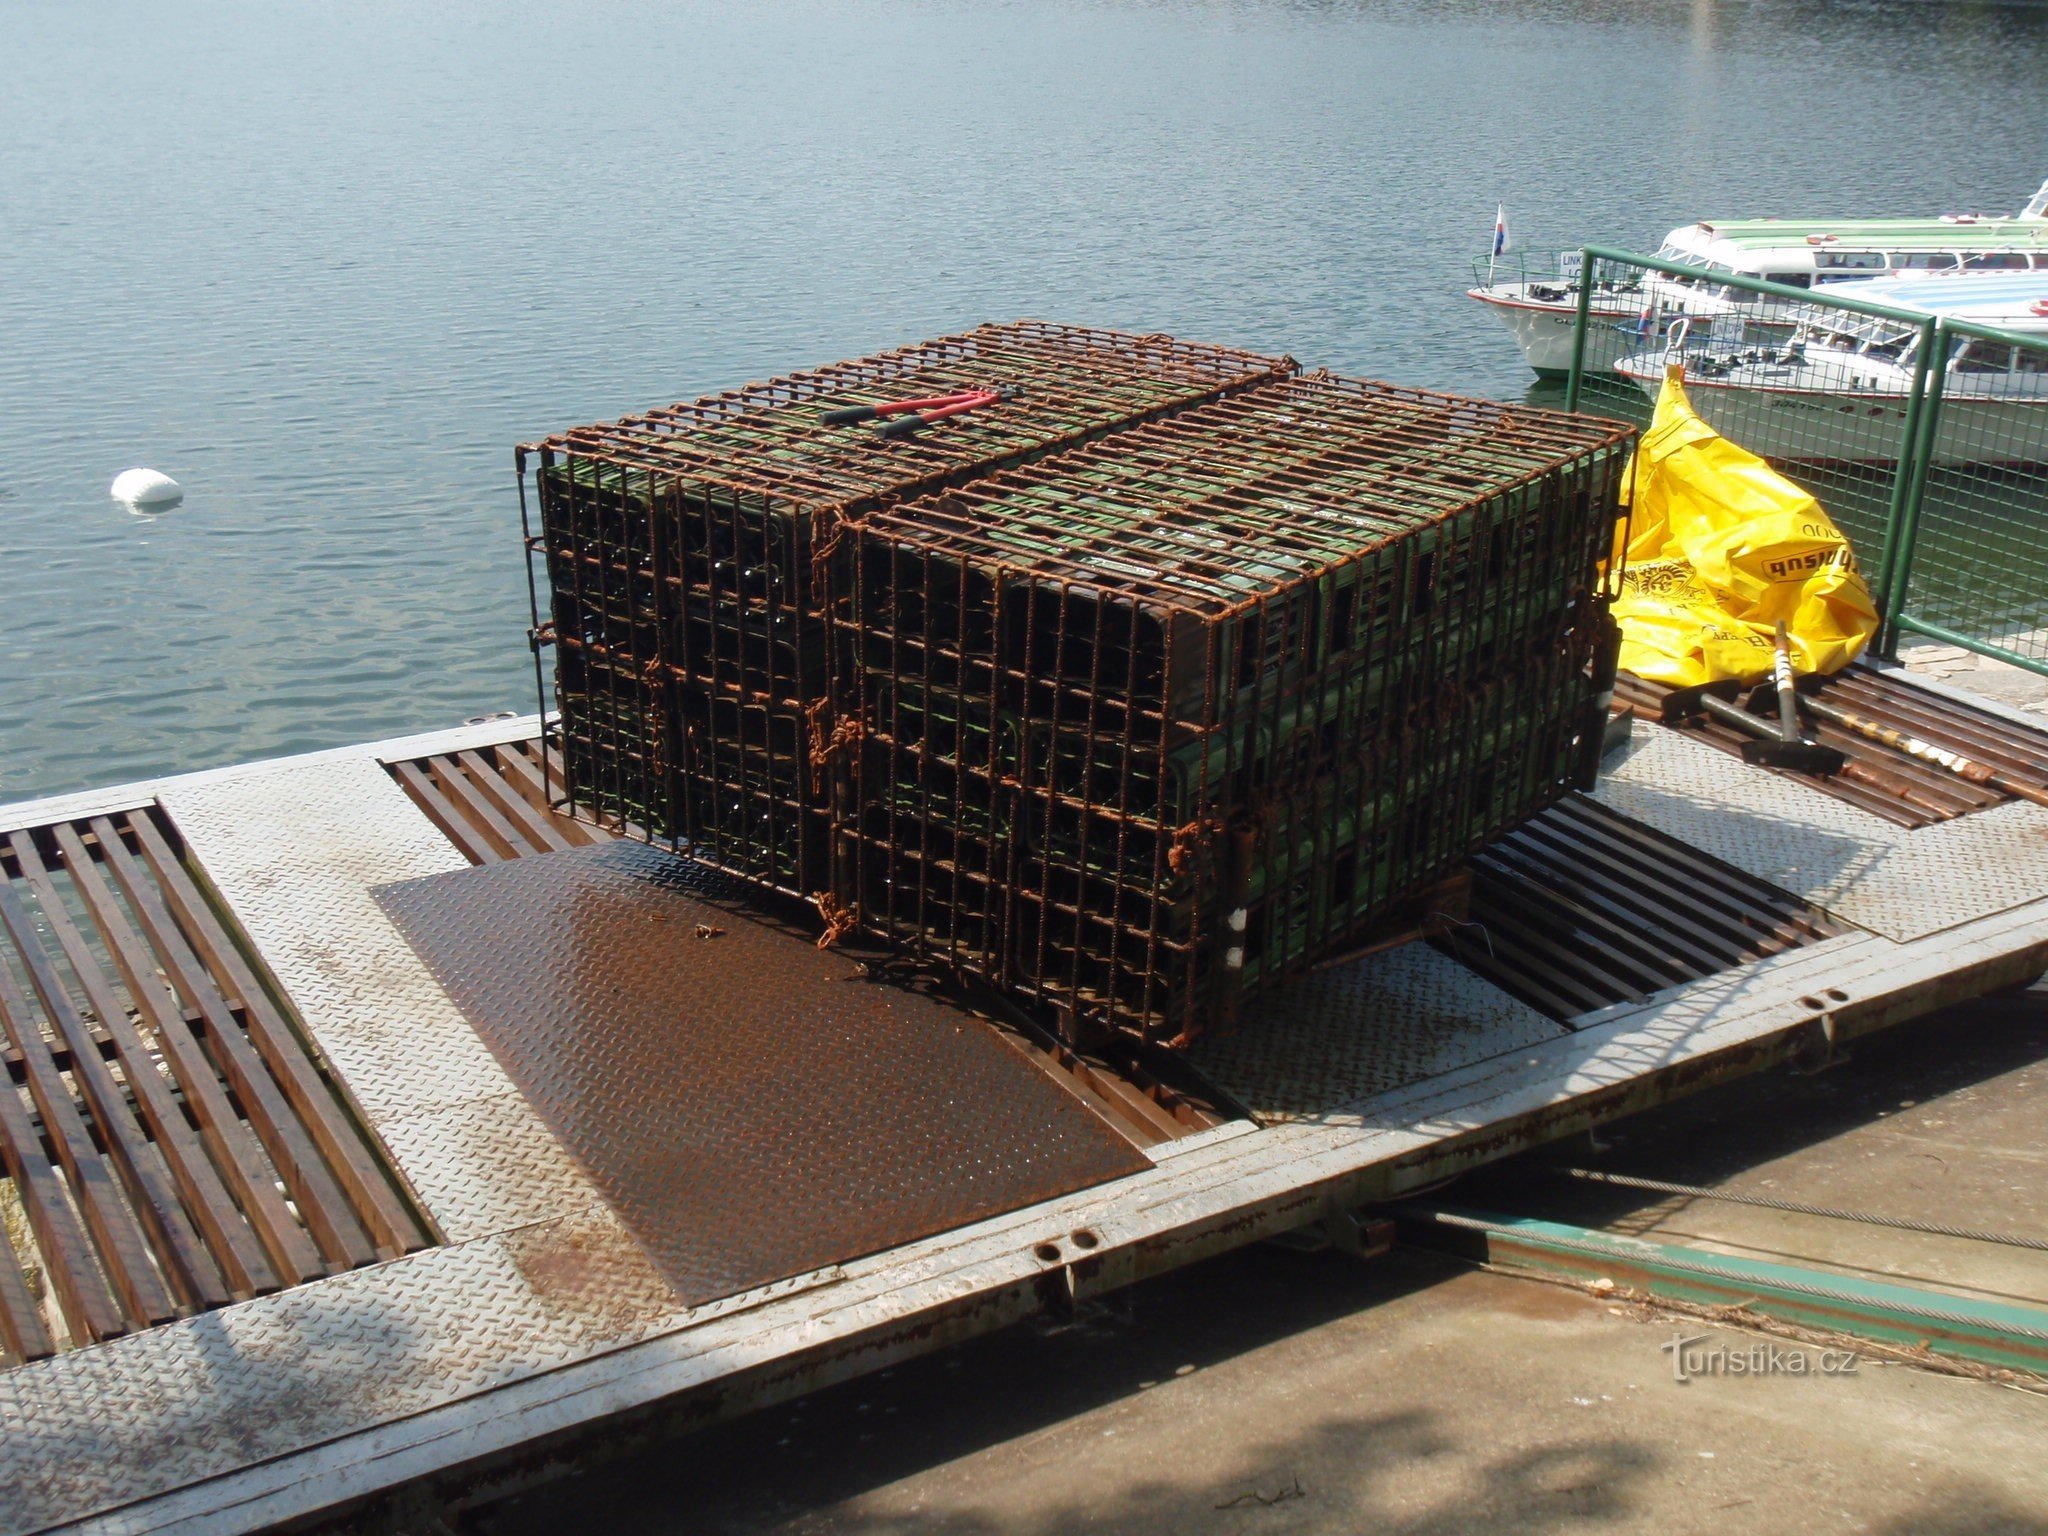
[(1500, 230)]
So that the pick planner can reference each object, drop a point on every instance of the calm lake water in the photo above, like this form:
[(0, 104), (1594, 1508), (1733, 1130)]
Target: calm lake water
[(326, 263)]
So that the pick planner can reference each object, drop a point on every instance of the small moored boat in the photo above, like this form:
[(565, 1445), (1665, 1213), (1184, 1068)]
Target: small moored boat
[(1536, 293)]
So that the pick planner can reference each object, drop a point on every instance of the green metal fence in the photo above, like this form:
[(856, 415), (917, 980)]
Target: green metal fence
[(1924, 436)]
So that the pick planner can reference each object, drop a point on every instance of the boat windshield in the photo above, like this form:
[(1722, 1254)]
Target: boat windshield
[(1865, 335)]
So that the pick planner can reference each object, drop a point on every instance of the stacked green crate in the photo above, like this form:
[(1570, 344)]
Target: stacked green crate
[(1096, 693), (683, 550)]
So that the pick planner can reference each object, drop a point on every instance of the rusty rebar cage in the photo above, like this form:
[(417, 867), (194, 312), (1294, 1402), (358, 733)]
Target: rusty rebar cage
[(683, 551), (1142, 726)]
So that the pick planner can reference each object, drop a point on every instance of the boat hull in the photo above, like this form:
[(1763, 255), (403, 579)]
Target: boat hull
[(1544, 332)]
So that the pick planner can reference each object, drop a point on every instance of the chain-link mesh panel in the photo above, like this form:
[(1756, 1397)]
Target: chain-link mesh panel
[(1973, 566)]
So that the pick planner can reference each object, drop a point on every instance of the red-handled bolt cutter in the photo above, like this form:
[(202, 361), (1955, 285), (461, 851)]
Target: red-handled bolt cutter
[(910, 415)]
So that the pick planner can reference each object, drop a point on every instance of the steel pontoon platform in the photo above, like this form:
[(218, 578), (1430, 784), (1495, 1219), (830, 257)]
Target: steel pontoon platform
[(536, 1318)]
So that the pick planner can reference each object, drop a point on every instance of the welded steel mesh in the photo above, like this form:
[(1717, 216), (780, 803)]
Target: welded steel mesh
[(1975, 563), (1142, 726), (682, 551)]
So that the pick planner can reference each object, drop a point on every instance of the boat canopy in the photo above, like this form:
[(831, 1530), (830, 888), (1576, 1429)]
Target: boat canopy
[(1803, 252), (2014, 301)]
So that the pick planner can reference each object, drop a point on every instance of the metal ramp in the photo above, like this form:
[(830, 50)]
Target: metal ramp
[(541, 1313), (753, 1107)]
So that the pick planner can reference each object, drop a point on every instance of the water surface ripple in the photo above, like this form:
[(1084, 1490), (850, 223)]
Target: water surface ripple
[(326, 264)]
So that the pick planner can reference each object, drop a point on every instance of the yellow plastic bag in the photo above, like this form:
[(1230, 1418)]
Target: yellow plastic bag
[(1719, 547)]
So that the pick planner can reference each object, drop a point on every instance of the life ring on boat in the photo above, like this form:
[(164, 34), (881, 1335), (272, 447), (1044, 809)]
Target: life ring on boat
[(2039, 307), (1822, 239)]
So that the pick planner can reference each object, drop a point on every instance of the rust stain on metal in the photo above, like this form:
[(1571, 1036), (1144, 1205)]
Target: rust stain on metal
[(753, 1108)]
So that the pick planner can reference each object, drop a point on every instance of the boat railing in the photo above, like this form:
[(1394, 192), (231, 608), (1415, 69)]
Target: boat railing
[(1555, 272), (1940, 481)]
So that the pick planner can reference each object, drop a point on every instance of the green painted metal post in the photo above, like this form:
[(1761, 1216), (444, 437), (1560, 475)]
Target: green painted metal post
[(1900, 514), (1903, 1316), (1571, 391), (1923, 421)]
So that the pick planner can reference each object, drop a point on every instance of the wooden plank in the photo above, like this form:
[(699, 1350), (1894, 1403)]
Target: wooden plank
[(187, 1266), (89, 1308), (487, 823), (428, 797), (233, 1148), (240, 1259), (123, 1250), (539, 829), (525, 775), (22, 1334), (320, 1202), (390, 1224)]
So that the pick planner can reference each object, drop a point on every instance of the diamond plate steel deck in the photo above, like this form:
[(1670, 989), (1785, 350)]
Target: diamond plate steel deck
[(429, 1367), (751, 1105), (1334, 1038), (228, 1388), (293, 851), (1902, 884)]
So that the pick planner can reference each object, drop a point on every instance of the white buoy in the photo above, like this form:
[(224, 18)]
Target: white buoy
[(146, 488)]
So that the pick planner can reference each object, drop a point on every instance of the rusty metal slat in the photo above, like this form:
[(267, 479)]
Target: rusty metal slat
[(1997, 743), (1886, 783), (123, 1250), (520, 768), (1130, 1102), (1863, 796), (1713, 914), (22, 1334), (488, 824), (390, 1226), (1727, 928), (321, 1206), (1561, 964), (1713, 934), (189, 1269), (1943, 793), (427, 795), (1573, 928), (1734, 892), (232, 1143), (233, 1247), (59, 1051), (535, 827), (1620, 929), (1516, 969), (1071, 1077), (1612, 894), (89, 1308), (1934, 792)]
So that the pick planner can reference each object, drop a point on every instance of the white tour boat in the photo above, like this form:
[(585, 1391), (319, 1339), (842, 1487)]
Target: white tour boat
[(1836, 389), (1536, 294)]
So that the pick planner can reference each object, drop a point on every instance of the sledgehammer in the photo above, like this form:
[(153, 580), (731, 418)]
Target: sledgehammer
[(1774, 746)]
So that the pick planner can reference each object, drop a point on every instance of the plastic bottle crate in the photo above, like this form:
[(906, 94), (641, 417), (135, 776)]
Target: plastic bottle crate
[(1086, 689), (688, 541)]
